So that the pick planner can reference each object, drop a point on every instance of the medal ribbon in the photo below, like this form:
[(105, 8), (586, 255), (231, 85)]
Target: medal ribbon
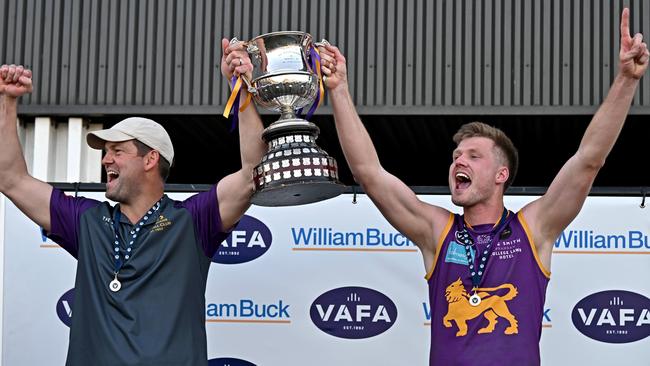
[(477, 270), (134, 235)]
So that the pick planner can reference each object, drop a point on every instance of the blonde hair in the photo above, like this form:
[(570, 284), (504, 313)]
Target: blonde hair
[(505, 149)]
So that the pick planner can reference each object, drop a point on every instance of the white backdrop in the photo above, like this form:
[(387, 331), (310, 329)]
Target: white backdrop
[(265, 309)]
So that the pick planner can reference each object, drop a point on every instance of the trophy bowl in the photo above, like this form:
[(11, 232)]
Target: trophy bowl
[(295, 170), (282, 78)]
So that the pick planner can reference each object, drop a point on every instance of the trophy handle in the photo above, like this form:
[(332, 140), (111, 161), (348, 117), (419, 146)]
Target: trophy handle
[(322, 43), (249, 86)]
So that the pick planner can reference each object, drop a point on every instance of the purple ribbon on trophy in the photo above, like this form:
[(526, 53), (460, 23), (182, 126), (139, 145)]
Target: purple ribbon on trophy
[(235, 107), (314, 62)]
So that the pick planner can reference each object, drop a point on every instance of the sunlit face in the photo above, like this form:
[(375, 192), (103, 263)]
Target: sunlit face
[(124, 170), (476, 172)]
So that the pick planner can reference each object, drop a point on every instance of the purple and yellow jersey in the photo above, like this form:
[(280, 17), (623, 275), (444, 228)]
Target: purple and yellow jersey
[(505, 328)]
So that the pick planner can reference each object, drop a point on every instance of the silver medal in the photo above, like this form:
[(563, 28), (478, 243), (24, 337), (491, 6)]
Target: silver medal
[(115, 285), (474, 300)]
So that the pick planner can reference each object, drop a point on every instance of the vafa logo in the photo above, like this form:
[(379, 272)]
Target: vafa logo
[(353, 312), (613, 316), (249, 240), (64, 307)]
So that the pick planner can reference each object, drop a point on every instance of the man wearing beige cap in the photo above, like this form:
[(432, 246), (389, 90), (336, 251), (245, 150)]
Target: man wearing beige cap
[(142, 264), (142, 134)]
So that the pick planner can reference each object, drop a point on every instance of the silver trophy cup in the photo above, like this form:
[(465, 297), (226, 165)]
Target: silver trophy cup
[(295, 170)]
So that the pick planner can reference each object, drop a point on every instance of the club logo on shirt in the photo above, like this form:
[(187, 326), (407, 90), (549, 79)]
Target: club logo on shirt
[(64, 307), (483, 239), (613, 316), (162, 224), (228, 361), (353, 312), (492, 306)]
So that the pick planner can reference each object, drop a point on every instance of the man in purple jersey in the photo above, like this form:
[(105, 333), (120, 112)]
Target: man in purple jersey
[(142, 265), (488, 269)]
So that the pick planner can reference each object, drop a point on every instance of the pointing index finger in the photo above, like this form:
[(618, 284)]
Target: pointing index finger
[(625, 23)]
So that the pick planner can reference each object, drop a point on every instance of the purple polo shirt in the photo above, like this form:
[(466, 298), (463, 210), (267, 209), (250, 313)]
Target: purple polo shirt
[(158, 316)]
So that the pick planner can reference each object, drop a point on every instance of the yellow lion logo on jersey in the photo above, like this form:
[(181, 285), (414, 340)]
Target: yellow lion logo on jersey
[(491, 306)]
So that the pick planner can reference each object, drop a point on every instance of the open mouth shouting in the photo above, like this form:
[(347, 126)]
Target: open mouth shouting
[(463, 181), (111, 176)]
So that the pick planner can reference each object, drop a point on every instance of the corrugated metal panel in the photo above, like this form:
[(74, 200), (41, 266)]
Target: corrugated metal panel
[(404, 56)]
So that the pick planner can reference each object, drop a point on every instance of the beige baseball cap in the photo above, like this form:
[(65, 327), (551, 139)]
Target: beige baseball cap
[(144, 130)]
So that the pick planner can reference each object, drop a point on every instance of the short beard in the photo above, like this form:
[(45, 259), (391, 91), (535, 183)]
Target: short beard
[(453, 200), (467, 201), (117, 195)]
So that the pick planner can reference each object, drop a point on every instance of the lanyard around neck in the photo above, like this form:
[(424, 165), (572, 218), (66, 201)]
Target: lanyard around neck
[(477, 269), (134, 235)]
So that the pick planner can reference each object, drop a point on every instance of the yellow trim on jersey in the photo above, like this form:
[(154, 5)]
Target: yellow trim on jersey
[(439, 246), (533, 247)]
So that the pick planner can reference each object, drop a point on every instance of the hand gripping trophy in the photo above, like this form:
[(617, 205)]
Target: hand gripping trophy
[(286, 78)]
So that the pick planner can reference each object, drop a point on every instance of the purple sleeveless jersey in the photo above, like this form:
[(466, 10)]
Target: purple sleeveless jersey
[(505, 328)]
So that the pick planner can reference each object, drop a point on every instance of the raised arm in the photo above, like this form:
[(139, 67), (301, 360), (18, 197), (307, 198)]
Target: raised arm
[(30, 195), (235, 190), (420, 222), (553, 212)]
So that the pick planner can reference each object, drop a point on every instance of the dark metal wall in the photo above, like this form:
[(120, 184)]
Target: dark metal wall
[(405, 57)]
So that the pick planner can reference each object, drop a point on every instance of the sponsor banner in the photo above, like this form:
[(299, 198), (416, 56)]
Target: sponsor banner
[(324, 238), (591, 240), (248, 311), (290, 282)]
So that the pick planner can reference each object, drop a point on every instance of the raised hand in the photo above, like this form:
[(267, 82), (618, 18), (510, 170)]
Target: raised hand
[(235, 60), (634, 55), (15, 81), (333, 66)]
